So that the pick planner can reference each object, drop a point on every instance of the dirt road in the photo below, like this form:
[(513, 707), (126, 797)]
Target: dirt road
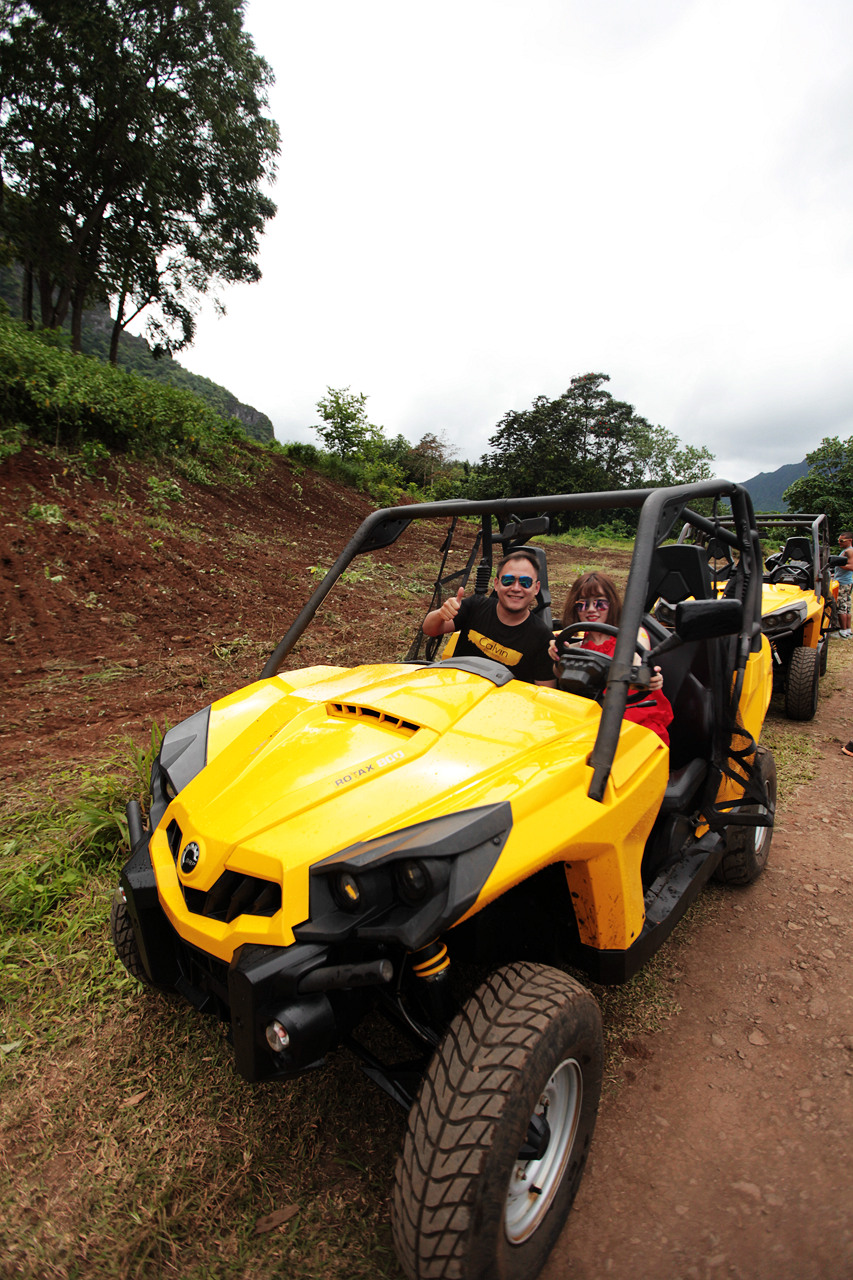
[(728, 1149)]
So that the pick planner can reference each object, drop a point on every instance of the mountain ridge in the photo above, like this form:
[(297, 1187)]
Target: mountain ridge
[(767, 487)]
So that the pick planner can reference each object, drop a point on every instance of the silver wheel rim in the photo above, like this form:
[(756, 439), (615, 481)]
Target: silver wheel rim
[(761, 833), (534, 1183)]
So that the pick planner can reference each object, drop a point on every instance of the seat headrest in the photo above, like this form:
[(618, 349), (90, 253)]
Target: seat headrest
[(678, 572)]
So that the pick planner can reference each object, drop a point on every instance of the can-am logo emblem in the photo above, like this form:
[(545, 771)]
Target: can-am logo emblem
[(190, 857)]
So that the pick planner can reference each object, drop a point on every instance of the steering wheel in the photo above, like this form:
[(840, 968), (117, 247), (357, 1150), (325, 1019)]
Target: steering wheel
[(585, 671), (792, 572)]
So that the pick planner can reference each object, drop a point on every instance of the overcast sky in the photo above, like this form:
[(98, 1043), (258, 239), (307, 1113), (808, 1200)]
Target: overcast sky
[(480, 199)]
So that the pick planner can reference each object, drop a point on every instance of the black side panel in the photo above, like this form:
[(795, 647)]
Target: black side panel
[(183, 752)]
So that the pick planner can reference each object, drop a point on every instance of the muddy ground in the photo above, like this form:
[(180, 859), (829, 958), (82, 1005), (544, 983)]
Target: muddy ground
[(726, 1149)]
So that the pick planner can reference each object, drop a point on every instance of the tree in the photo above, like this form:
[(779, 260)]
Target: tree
[(661, 459), (584, 441), (134, 147), (429, 460), (345, 430), (827, 486)]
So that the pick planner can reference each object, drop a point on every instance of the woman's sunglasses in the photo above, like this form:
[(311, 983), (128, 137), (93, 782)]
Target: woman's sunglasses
[(523, 579), (583, 605)]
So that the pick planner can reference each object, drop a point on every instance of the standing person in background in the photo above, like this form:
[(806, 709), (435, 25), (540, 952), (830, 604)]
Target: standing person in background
[(500, 626), (844, 576)]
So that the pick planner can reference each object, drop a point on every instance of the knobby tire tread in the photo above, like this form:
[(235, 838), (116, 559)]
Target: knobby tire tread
[(124, 941), (801, 687), (462, 1099)]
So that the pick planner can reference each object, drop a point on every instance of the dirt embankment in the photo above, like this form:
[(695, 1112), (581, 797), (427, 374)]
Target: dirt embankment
[(120, 606)]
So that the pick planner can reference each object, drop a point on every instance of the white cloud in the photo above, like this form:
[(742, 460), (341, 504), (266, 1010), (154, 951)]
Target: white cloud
[(478, 201)]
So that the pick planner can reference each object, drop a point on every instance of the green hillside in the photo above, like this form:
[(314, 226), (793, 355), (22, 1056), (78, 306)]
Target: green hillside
[(135, 356)]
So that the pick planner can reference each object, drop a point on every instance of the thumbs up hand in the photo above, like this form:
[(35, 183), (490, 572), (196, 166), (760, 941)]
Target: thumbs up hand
[(450, 608)]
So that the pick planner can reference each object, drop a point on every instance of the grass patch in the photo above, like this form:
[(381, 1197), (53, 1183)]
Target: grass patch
[(131, 1147), (604, 537), (796, 755)]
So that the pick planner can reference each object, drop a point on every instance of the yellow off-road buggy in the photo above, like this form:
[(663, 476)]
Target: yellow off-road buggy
[(331, 843), (797, 605)]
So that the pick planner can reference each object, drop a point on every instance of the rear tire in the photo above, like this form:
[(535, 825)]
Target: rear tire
[(520, 1067), (747, 848), (801, 689)]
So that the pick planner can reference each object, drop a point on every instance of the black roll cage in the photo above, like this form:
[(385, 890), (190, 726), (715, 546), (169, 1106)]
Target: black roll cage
[(519, 518), (815, 527)]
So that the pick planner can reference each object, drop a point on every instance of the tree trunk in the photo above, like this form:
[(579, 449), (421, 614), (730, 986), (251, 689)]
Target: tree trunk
[(27, 296), (77, 320), (116, 334)]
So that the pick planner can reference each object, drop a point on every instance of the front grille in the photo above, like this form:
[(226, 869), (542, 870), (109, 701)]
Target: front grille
[(203, 981), (233, 895), (174, 835), (350, 711)]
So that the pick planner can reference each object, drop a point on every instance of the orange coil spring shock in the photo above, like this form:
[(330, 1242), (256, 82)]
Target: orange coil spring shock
[(431, 966)]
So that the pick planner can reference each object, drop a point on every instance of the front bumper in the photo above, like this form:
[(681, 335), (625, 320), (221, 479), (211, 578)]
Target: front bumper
[(259, 986)]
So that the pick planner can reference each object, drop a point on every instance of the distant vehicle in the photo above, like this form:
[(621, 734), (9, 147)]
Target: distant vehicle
[(797, 604), (435, 842)]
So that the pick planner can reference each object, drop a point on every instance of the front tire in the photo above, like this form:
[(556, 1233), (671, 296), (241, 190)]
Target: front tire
[(124, 941), (747, 848), (499, 1133), (801, 689)]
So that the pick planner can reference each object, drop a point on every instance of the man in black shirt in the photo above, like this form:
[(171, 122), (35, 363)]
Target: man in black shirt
[(500, 626)]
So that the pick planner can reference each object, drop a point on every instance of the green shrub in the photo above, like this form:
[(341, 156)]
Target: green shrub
[(53, 849), (49, 512), (306, 455), (11, 439)]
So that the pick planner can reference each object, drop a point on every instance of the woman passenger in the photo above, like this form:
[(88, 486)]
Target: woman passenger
[(594, 597)]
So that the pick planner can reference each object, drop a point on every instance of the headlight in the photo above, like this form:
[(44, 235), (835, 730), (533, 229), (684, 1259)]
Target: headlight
[(346, 891), (786, 619), (409, 886), (413, 880)]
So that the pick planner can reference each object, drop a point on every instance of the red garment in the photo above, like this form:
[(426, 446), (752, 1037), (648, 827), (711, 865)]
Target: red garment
[(655, 718)]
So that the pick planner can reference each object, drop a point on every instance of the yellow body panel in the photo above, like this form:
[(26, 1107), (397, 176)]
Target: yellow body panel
[(776, 595), (290, 760), (754, 701)]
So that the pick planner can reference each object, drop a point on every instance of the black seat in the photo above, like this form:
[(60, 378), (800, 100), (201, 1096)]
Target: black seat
[(678, 572), (798, 549), (721, 563), (688, 686)]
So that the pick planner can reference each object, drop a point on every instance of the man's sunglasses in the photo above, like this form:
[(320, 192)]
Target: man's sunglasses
[(523, 579), (583, 605)]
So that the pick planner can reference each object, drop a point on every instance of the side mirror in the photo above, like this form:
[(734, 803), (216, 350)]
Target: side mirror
[(707, 619), (518, 531)]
